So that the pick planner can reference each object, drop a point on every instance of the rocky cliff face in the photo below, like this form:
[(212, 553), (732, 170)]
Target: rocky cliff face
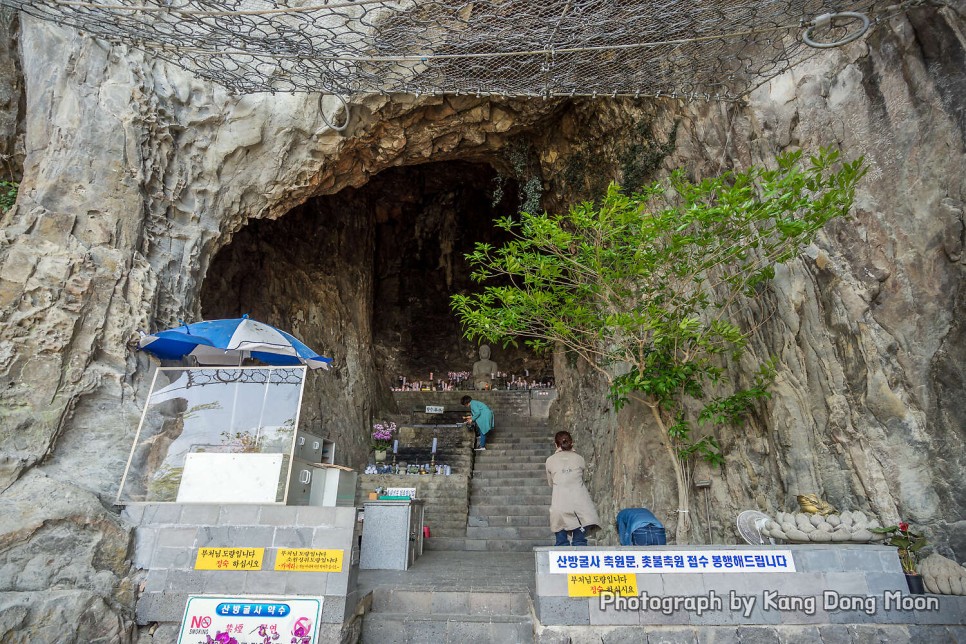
[(867, 327), (137, 176)]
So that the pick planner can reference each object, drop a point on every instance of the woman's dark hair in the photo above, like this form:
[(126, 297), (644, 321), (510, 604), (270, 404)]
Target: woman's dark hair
[(564, 441), (465, 400)]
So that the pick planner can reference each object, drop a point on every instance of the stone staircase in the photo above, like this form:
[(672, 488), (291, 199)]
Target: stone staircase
[(476, 586), (509, 495)]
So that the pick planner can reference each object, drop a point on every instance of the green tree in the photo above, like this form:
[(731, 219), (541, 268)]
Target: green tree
[(642, 287)]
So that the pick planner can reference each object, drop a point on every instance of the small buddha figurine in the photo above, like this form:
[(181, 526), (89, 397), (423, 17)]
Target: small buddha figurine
[(484, 369)]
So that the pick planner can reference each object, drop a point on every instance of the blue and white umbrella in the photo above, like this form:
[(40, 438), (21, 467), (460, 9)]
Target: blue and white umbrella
[(228, 342)]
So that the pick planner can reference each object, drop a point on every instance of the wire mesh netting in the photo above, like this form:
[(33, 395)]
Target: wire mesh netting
[(712, 49)]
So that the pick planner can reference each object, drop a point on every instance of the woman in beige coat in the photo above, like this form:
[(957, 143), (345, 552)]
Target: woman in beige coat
[(571, 508)]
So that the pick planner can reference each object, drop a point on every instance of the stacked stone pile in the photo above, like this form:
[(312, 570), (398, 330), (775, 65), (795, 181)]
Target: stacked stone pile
[(943, 576), (800, 527)]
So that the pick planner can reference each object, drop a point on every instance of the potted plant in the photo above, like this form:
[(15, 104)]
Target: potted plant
[(908, 543), (382, 439)]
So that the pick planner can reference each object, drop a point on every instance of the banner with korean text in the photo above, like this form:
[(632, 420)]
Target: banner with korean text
[(671, 561)]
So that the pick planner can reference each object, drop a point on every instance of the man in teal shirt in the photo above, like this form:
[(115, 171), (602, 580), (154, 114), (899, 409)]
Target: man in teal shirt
[(481, 416)]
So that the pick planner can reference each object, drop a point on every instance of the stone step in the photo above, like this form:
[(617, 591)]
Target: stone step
[(438, 528), (505, 451), (501, 462), (445, 533), (445, 519), (523, 480), (509, 434), (507, 545), (525, 471), (415, 601), (509, 533), (446, 515), (503, 475), (482, 489), (440, 516), (520, 470), (514, 499), (446, 511), (508, 429), (515, 510), (400, 628), (503, 467), (502, 521), (449, 542), (525, 461), (502, 449), (441, 519)]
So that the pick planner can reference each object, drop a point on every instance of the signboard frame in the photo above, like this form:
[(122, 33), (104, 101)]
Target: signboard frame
[(208, 616)]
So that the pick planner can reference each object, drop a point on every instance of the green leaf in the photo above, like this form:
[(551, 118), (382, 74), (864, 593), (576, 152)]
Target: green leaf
[(649, 281)]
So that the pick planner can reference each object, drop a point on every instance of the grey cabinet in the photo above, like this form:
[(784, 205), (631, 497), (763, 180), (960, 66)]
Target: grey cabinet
[(392, 534), (313, 448), (316, 484)]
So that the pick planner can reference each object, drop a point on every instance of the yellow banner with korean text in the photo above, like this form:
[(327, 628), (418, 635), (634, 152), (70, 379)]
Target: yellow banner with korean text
[(586, 585), (229, 558), (309, 560)]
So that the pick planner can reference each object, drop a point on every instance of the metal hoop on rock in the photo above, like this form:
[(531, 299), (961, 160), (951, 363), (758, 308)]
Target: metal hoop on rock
[(345, 106), (826, 19)]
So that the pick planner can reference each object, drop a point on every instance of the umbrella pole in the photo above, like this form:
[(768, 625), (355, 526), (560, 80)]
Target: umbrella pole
[(261, 414), (234, 405), (234, 402)]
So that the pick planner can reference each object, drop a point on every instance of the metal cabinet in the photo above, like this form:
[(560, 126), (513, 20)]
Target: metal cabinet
[(392, 534), (313, 448), (320, 485)]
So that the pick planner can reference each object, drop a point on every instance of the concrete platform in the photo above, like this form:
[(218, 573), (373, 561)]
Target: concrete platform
[(458, 571)]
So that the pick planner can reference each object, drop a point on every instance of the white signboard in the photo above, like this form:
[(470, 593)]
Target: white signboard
[(210, 477), (671, 561), (250, 620), (434, 409)]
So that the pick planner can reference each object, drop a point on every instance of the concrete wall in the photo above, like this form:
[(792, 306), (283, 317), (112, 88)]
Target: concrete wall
[(168, 536), (860, 572)]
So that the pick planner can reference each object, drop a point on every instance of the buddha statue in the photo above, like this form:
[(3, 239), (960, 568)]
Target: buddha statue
[(484, 369)]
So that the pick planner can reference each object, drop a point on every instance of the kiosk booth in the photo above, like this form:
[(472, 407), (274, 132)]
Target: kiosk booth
[(229, 435)]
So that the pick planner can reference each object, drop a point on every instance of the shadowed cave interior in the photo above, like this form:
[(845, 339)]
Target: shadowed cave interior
[(374, 265)]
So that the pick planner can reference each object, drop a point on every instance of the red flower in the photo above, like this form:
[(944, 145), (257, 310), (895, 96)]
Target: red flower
[(904, 527)]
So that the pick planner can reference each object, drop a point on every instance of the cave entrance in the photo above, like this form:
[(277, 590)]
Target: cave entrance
[(365, 275), (427, 218)]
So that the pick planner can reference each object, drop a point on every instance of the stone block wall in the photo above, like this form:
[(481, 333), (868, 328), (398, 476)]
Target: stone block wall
[(446, 499), (168, 536), (454, 446), (520, 403)]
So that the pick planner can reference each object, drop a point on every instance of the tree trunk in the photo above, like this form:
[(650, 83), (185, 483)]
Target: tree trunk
[(684, 496)]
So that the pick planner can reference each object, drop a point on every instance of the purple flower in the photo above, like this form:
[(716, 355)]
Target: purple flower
[(383, 431)]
